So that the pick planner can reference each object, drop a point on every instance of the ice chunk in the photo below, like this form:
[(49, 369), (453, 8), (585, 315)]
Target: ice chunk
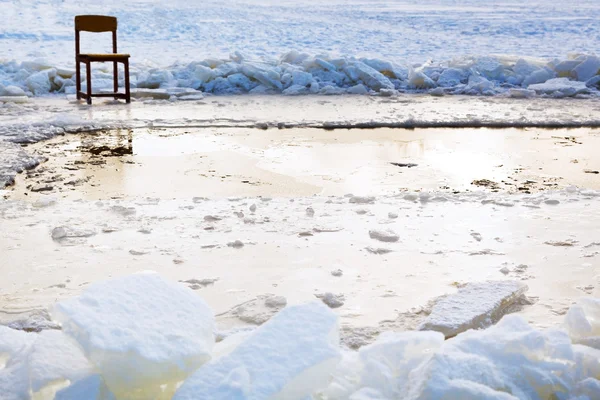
[(372, 78), (582, 322), (479, 85), (587, 69), (37, 363), (204, 74), (301, 78), (388, 362), (560, 86), (55, 358), (11, 91), (140, 332), (490, 68), (241, 81), (295, 90), (474, 306), (510, 360), (451, 77), (89, 388), (564, 68), (388, 235), (358, 89), (521, 93), (588, 389), (158, 94), (418, 80), (266, 76), (289, 357), (40, 82), (539, 76)]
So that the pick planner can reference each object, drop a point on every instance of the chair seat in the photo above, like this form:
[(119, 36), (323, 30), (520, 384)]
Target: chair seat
[(103, 57)]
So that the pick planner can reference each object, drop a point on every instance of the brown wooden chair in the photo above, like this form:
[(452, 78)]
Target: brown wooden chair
[(100, 23)]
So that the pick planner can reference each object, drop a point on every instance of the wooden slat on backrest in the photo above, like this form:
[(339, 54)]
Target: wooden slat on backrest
[(95, 23)]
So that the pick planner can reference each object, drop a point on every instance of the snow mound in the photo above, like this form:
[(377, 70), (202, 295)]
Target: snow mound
[(289, 357), (140, 332), (474, 306)]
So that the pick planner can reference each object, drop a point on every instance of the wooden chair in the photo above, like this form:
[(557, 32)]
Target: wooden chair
[(100, 23)]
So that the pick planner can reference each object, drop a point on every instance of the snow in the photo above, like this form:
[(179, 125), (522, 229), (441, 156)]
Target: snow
[(38, 363), (53, 358), (14, 160), (89, 388), (295, 355), (474, 306), (289, 357), (583, 322), (329, 49), (152, 332)]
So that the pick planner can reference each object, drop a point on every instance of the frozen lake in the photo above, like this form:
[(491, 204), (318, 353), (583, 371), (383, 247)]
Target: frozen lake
[(395, 30)]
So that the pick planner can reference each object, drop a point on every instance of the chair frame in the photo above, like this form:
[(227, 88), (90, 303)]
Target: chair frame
[(100, 23)]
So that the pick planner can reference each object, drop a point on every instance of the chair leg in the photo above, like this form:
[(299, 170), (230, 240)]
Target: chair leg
[(115, 78), (127, 89), (78, 78), (88, 71)]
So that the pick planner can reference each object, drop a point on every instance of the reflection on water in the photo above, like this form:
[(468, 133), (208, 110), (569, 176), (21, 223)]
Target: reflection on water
[(305, 161)]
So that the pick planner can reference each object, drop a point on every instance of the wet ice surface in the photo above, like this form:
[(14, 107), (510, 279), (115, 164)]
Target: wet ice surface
[(250, 117), (429, 258)]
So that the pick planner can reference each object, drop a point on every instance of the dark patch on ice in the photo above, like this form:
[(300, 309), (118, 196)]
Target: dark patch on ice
[(404, 165)]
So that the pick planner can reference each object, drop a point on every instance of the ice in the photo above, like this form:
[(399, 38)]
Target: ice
[(41, 82), (418, 80), (387, 235), (372, 78), (358, 89), (11, 91), (474, 306), (38, 363), (388, 362), (589, 68), (582, 322), (140, 332), (289, 357), (539, 76), (13, 160), (562, 87), (54, 359), (89, 388), (510, 360), (451, 77)]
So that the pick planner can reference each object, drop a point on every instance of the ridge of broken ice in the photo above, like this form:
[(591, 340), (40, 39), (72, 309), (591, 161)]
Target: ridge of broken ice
[(296, 355), (299, 73)]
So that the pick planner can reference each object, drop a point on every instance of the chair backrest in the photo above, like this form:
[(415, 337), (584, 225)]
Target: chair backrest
[(95, 23)]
